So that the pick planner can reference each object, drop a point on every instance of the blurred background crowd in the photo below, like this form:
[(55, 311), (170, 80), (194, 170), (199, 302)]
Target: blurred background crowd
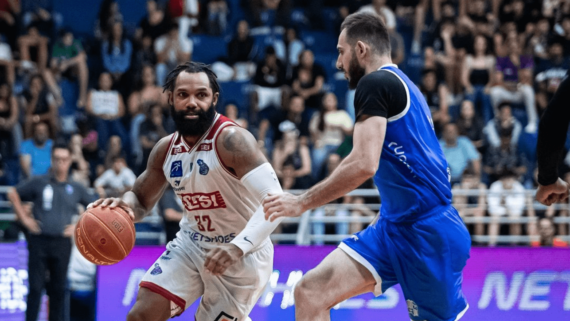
[(487, 69)]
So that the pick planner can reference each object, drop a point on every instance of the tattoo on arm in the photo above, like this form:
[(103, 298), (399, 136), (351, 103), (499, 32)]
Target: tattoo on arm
[(240, 151)]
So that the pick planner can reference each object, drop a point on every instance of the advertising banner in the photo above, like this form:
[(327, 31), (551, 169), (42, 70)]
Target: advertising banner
[(499, 283)]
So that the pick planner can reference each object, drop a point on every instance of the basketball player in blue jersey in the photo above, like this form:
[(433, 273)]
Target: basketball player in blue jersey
[(418, 240)]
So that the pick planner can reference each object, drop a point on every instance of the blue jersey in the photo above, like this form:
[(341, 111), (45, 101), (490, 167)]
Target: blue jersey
[(412, 176)]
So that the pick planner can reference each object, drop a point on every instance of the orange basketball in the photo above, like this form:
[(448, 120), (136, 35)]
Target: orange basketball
[(105, 236)]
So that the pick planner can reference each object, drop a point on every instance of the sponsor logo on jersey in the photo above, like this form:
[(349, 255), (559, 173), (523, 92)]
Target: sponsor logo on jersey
[(202, 201), (354, 237), (178, 150), (69, 189), (157, 270), (199, 237), (165, 256), (176, 169), (225, 317), (205, 147), (204, 169), (176, 182)]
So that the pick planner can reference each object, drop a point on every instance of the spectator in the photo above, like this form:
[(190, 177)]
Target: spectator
[(285, 120), (460, 153), (35, 152), (89, 145), (232, 112), (79, 165), (170, 208), (241, 51), (144, 55), (503, 121), (116, 52), (33, 48), (269, 12), (154, 24), (269, 80), (9, 18), (565, 36), (476, 76), (217, 17), (187, 17), (472, 204), (506, 197), (43, 18), (512, 76), (547, 232), (470, 125), (114, 149), (115, 181), (171, 51), (106, 107), (50, 228), (538, 41), (308, 79), (328, 128), (40, 106), (69, 59), (549, 74), (290, 152), (8, 142), (506, 156), (7, 63), (436, 98), (151, 131), (289, 49), (109, 13)]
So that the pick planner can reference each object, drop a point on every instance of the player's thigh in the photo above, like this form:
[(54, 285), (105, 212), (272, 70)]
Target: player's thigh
[(337, 278), (233, 294), (150, 306), (176, 275)]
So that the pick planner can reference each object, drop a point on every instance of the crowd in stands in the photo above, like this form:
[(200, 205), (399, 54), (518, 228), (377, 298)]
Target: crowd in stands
[(487, 69)]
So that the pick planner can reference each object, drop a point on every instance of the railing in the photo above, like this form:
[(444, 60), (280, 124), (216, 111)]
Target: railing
[(305, 223)]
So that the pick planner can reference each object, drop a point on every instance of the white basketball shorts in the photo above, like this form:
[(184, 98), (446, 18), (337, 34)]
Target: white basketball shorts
[(179, 275)]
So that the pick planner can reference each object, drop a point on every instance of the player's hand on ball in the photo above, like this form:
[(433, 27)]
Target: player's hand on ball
[(553, 193), (285, 204), (220, 258), (113, 202)]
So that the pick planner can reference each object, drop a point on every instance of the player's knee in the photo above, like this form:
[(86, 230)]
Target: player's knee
[(302, 294)]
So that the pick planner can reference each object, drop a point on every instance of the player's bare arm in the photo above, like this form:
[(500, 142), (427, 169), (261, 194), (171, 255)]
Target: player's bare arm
[(148, 187), (239, 151), (355, 169)]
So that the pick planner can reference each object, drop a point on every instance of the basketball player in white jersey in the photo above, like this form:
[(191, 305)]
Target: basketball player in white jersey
[(222, 252)]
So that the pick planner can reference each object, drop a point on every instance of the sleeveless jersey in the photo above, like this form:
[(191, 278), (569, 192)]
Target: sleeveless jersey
[(412, 177), (216, 205)]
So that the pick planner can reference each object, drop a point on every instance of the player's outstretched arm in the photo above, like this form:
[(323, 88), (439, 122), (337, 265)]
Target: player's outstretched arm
[(355, 169), (238, 150), (148, 187)]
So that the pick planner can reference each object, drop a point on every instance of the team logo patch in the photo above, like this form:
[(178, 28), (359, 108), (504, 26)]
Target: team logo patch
[(412, 308), (157, 270), (205, 147), (176, 169), (204, 169), (176, 182), (69, 189), (225, 317)]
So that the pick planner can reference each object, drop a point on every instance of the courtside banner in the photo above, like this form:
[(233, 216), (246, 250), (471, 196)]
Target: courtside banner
[(499, 283)]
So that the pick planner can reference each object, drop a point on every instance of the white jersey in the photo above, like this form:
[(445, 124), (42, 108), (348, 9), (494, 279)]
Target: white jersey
[(217, 206)]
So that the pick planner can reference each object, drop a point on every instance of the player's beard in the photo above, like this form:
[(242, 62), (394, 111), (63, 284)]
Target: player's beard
[(355, 72), (193, 127)]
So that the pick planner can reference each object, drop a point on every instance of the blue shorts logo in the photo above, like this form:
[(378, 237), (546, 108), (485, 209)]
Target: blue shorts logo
[(157, 270), (176, 169), (204, 169)]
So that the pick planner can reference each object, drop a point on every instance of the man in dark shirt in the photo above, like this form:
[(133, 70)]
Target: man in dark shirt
[(551, 137), (50, 227), (170, 208)]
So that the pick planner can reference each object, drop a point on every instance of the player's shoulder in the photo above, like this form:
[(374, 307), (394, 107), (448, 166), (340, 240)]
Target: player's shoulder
[(160, 150), (380, 79), (235, 138)]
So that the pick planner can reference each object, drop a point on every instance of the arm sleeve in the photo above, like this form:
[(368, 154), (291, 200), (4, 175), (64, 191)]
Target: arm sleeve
[(27, 189), (380, 93), (552, 131), (260, 181)]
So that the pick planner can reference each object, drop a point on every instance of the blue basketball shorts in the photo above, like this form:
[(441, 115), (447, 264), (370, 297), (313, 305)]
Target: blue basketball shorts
[(425, 257)]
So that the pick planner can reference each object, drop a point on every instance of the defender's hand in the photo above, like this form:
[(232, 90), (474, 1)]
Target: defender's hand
[(285, 204), (553, 193), (113, 202), (219, 259)]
